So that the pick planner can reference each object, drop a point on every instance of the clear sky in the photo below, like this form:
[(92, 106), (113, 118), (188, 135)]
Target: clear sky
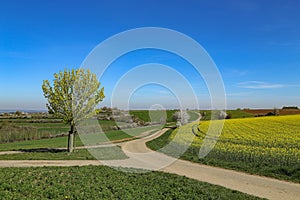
[(255, 45)]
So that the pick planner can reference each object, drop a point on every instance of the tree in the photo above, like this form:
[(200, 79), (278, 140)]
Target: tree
[(73, 97), (222, 115), (181, 117), (18, 113)]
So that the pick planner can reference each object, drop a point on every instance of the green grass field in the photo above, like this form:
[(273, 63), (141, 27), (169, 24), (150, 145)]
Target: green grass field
[(100, 182), (234, 114), (145, 116), (267, 146), (193, 115), (61, 142), (103, 153), (50, 128)]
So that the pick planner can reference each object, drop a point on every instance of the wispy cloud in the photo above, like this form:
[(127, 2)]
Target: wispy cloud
[(259, 85)]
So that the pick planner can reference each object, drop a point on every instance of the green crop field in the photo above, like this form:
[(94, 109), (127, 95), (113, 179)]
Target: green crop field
[(90, 139), (32, 129), (100, 182), (234, 114), (145, 114), (193, 115), (267, 145)]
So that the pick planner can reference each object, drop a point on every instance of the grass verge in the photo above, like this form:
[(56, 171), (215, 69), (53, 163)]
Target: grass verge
[(103, 153)]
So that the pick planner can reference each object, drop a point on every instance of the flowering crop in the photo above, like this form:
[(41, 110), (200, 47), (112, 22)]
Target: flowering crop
[(271, 140)]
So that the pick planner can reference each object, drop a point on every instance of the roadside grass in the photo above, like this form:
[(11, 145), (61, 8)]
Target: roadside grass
[(288, 173), (103, 153), (100, 138), (61, 142), (101, 182)]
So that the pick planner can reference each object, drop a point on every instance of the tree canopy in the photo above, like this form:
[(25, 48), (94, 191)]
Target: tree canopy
[(73, 97)]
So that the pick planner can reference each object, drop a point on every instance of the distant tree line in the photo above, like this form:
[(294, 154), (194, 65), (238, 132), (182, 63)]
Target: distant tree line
[(290, 107)]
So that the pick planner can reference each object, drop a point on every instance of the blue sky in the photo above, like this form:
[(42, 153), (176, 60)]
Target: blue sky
[(255, 45)]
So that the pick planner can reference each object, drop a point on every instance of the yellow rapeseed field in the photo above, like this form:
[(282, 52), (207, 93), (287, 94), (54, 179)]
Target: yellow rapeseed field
[(273, 140)]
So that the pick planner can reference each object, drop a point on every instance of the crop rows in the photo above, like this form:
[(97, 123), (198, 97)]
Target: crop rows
[(269, 140)]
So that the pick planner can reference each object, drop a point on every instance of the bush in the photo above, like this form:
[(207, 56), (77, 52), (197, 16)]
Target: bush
[(228, 116)]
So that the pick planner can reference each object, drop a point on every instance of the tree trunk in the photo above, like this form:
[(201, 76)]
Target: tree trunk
[(71, 139)]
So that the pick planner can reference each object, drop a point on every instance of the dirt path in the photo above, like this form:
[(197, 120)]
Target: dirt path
[(142, 157)]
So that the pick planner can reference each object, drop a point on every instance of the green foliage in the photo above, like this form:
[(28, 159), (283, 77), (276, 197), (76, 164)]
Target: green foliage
[(73, 97), (101, 182), (75, 90), (161, 141)]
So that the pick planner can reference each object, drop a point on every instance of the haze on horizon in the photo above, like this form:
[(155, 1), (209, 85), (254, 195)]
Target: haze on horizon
[(255, 45)]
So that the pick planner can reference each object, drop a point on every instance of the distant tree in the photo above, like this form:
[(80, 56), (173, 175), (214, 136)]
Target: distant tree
[(268, 114), (181, 117), (176, 116), (222, 115), (104, 108), (18, 113), (73, 97), (203, 115), (228, 116)]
